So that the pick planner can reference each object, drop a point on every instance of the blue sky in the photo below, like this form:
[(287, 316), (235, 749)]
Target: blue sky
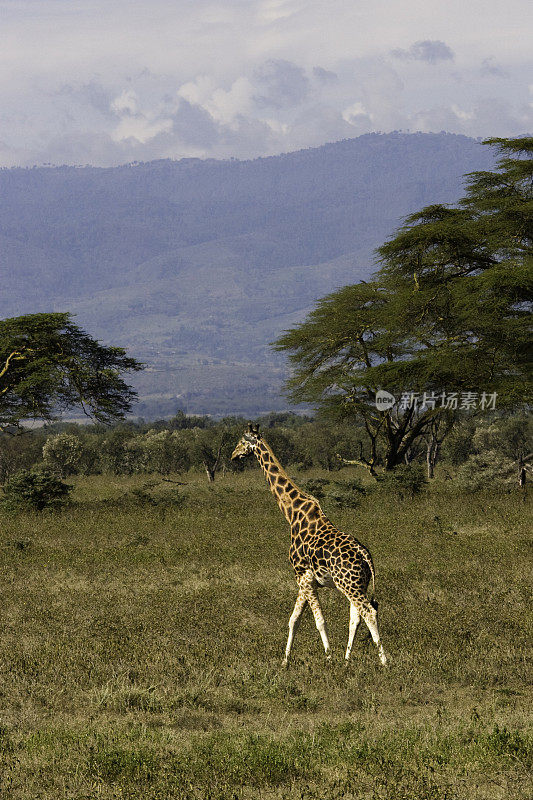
[(92, 82)]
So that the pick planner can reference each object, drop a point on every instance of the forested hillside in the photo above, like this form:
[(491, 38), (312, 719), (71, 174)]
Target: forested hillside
[(195, 266)]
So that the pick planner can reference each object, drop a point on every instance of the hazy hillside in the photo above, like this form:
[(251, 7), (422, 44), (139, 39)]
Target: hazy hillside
[(195, 266)]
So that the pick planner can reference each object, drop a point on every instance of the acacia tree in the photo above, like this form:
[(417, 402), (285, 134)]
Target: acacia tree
[(340, 353), (460, 281), (48, 364), (211, 448), (445, 317)]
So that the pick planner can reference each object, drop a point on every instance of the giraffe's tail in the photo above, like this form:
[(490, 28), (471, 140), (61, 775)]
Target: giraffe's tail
[(368, 559)]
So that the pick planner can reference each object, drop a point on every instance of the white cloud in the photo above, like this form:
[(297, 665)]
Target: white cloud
[(125, 103), (198, 91), (354, 112), (274, 10), (100, 82), (461, 114), (224, 106), (140, 128), (237, 101)]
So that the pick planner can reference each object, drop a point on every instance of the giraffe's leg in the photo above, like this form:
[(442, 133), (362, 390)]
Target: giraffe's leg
[(294, 623), (312, 599), (370, 616), (355, 618)]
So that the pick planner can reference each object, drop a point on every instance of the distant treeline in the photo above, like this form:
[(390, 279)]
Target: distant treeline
[(479, 451)]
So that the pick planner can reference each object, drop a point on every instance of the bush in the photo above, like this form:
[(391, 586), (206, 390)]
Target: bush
[(163, 452), (19, 452), (62, 454), (406, 479), (346, 494), (143, 497), (35, 490), (316, 487), (489, 470), (343, 494)]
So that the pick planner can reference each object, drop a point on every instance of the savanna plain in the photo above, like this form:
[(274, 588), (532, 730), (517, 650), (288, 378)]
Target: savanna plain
[(143, 629)]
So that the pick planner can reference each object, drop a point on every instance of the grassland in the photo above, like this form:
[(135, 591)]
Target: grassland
[(142, 640)]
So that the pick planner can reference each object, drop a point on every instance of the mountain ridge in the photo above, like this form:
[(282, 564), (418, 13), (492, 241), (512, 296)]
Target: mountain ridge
[(195, 266)]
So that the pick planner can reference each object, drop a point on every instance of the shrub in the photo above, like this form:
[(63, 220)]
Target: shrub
[(35, 490), (489, 470), (19, 452), (316, 487), (62, 454), (406, 479), (162, 451), (143, 497), (343, 494), (346, 494)]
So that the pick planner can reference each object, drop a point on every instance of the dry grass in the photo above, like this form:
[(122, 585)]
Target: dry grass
[(141, 650)]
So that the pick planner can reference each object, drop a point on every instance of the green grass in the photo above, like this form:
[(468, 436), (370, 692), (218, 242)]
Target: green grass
[(141, 649)]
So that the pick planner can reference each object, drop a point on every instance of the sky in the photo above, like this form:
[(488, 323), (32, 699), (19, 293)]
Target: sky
[(106, 83)]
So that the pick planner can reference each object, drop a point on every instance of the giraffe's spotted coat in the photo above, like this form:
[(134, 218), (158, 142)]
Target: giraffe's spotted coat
[(320, 554)]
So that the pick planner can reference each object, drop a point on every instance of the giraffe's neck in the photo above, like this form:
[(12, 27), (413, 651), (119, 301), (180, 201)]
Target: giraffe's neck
[(282, 487)]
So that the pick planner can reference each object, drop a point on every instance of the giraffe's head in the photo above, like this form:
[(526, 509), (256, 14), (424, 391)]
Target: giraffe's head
[(248, 442)]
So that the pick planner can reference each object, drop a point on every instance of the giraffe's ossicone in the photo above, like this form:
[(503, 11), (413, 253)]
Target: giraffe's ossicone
[(320, 554)]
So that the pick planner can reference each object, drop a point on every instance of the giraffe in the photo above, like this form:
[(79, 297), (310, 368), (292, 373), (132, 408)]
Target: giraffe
[(321, 555)]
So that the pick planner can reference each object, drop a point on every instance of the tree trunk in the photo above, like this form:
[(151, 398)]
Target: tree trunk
[(211, 469), (368, 463), (430, 460), (211, 472)]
